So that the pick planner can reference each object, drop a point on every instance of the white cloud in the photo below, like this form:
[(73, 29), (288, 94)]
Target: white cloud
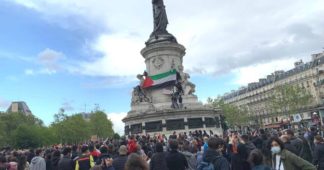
[(253, 73), (116, 119), (121, 57), (220, 36)]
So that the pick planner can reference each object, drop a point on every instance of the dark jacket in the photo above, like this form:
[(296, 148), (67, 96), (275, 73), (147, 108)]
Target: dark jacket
[(218, 160), (101, 158), (176, 161), (250, 146), (119, 162), (239, 160), (54, 161), (318, 158), (307, 153), (293, 162), (65, 163), (291, 148), (158, 161), (298, 144)]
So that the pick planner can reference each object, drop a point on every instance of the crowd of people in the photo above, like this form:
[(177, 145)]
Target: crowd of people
[(198, 150)]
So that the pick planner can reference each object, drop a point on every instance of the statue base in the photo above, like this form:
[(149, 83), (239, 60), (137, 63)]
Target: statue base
[(168, 121), (166, 37)]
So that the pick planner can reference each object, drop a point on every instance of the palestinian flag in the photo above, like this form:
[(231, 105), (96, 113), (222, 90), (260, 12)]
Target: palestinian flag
[(160, 80)]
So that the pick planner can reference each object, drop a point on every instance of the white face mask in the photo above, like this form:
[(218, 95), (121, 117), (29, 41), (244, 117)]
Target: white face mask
[(275, 149)]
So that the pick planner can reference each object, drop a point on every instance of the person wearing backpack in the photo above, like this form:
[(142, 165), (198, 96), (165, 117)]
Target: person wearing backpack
[(213, 159)]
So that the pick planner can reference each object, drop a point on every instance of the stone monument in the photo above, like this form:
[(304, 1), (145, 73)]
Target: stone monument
[(164, 100)]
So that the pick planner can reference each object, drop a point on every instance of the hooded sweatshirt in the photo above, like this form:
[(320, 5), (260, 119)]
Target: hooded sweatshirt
[(218, 160), (191, 159), (37, 163)]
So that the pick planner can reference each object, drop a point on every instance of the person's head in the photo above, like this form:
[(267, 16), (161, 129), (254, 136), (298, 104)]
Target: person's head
[(205, 139), (244, 138), (215, 143), (122, 150), (110, 147), (39, 152), (159, 147), (66, 151), (276, 145), (318, 139), (56, 153), (84, 149), (255, 157), (91, 148), (312, 129), (103, 149), (284, 138), (74, 148), (135, 162), (12, 159), (173, 144), (186, 146), (290, 133)]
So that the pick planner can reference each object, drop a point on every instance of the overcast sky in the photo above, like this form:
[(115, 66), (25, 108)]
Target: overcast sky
[(75, 54)]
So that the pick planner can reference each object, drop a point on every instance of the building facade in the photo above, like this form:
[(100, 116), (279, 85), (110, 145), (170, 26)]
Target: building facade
[(19, 106), (255, 97)]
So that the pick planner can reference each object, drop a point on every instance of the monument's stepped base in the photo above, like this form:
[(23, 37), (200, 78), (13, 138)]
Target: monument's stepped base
[(168, 121)]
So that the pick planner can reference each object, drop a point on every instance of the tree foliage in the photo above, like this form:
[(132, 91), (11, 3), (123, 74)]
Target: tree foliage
[(289, 99), (26, 131), (234, 116), (100, 125), (74, 129), (22, 131)]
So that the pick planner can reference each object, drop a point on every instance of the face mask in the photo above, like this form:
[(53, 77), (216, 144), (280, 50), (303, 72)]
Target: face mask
[(275, 149)]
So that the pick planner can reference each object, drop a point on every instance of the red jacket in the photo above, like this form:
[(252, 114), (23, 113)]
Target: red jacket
[(131, 146)]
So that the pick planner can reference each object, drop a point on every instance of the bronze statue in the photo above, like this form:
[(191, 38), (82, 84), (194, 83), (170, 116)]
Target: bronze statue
[(160, 17), (160, 32)]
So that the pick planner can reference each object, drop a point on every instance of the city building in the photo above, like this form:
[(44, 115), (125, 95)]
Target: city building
[(19, 106), (255, 97)]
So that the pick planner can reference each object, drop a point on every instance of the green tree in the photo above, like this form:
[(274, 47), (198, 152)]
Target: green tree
[(58, 127), (234, 116), (26, 136), (2, 133), (289, 99), (11, 121), (76, 129), (100, 125)]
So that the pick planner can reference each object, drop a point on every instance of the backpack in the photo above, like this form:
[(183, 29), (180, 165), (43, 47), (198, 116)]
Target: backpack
[(205, 166)]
